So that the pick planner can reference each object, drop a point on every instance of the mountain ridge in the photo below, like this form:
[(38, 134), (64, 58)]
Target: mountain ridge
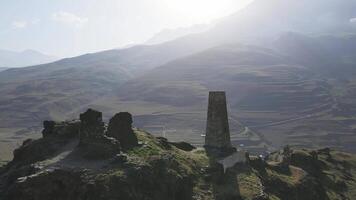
[(24, 58), (62, 89)]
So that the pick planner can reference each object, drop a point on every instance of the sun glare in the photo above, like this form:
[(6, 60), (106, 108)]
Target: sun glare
[(203, 11)]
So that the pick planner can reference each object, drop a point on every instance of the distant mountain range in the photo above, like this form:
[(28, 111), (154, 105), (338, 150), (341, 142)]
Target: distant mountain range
[(24, 58), (288, 68), (3, 68), (172, 34)]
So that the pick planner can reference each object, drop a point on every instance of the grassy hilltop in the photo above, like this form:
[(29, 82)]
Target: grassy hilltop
[(159, 169)]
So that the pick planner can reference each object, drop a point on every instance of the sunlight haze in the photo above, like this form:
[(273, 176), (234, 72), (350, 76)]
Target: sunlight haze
[(69, 28)]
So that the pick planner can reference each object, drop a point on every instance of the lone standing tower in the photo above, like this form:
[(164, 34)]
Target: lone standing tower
[(217, 127)]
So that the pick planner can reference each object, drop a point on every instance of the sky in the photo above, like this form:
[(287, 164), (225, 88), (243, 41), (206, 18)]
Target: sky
[(66, 28)]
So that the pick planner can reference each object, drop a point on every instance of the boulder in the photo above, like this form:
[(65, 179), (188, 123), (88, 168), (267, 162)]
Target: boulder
[(120, 128), (183, 146)]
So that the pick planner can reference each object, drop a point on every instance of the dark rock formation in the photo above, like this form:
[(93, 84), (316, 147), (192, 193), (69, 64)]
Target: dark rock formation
[(57, 184), (120, 128), (48, 128), (257, 163), (99, 148), (287, 153), (183, 146), (164, 143), (93, 143), (37, 150), (307, 160), (180, 145), (66, 128), (92, 124)]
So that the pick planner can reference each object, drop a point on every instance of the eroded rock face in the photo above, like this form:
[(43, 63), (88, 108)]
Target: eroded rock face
[(66, 128), (48, 128), (93, 143), (92, 124), (120, 128)]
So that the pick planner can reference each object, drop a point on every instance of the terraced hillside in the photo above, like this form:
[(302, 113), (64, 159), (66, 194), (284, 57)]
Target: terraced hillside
[(274, 98)]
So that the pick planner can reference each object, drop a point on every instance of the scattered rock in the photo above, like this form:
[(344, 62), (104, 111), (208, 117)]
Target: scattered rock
[(120, 128), (257, 163), (183, 146), (119, 159), (164, 142)]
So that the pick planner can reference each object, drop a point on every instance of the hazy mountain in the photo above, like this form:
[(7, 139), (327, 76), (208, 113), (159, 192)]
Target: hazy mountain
[(62, 89), (297, 75), (264, 19), (24, 58), (266, 88), (3, 68), (172, 34)]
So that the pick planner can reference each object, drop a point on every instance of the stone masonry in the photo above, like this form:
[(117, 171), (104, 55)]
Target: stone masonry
[(217, 127)]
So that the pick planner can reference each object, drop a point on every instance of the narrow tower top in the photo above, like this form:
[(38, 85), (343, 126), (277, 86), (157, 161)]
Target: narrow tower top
[(217, 127)]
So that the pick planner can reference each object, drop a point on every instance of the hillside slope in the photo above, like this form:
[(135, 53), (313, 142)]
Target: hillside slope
[(288, 93), (56, 167), (61, 89)]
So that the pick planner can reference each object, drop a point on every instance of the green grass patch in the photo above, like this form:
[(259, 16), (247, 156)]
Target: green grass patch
[(249, 185)]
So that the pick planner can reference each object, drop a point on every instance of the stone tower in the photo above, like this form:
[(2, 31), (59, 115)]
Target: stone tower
[(217, 127)]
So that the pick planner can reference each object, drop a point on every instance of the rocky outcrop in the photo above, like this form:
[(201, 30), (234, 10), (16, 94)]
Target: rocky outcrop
[(56, 184), (94, 144), (60, 167), (148, 172), (65, 129), (92, 125), (139, 182), (37, 150), (120, 128), (183, 146), (100, 148)]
